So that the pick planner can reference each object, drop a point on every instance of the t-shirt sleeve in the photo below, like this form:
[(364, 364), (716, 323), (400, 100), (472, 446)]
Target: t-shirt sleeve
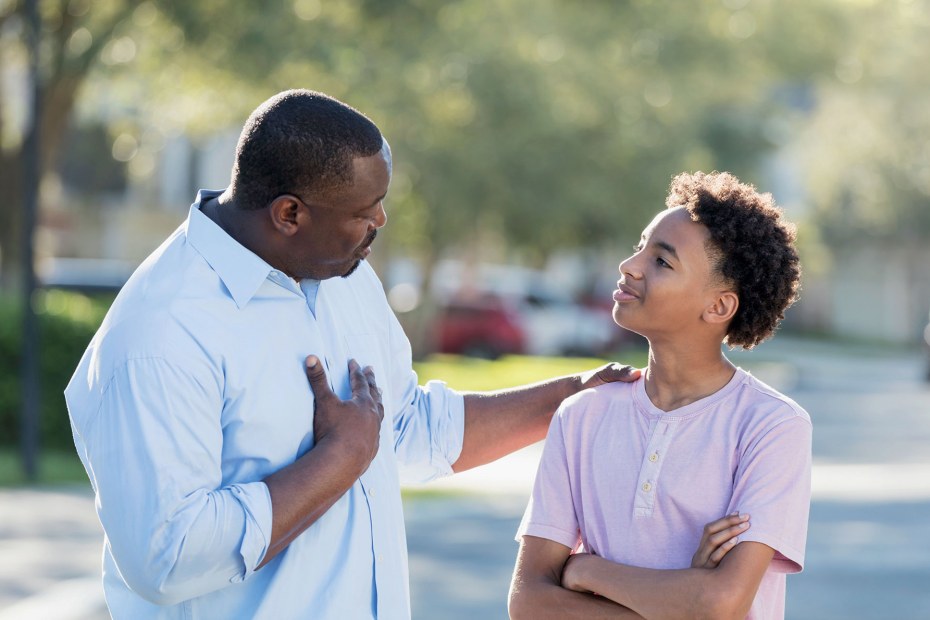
[(773, 485), (551, 512)]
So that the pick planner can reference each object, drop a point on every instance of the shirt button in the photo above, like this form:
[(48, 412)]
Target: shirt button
[(380, 557), (653, 457), (647, 487), (371, 492)]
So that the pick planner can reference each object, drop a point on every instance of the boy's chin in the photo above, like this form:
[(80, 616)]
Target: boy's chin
[(628, 325)]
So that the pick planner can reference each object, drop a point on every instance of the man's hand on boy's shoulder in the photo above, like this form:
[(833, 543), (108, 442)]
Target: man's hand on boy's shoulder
[(608, 373)]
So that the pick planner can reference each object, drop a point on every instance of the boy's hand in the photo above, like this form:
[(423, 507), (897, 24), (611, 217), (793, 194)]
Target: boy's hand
[(571, 572), (718, 539)]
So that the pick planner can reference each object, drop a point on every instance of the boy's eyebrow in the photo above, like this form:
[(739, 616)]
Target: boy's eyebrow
[(668, 248)]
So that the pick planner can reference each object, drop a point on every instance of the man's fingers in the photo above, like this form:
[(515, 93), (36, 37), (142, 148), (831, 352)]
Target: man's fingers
[(616, 372), (369, 373), (317, 377), (357, 380), (374, 391), (372, 383)]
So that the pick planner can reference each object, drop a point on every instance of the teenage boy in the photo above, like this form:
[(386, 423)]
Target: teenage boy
[(631, 472)]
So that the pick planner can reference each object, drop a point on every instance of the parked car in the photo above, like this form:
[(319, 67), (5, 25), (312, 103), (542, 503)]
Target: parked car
[(556, 325), (551, 321), (478, 326)]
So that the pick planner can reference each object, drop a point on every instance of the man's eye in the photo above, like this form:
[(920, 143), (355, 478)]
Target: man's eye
[(662, 263)]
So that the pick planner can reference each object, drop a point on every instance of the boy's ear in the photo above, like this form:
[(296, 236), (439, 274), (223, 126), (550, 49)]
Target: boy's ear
[(722, 309)]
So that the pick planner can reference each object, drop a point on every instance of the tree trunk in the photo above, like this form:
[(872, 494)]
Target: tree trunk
[(11, 217)]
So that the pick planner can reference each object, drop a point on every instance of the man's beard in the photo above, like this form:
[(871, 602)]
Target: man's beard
[(368, 241)]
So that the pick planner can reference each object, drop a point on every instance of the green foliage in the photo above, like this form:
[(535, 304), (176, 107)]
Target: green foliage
[(542, 123), (55, 467), (865, 148), (553, 124), (67, 322)]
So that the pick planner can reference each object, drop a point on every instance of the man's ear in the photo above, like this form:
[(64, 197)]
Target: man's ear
[(287, 212), (722, 309)]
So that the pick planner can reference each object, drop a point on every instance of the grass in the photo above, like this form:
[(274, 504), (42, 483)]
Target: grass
[(55, 468), (462, 373), (470, 374)]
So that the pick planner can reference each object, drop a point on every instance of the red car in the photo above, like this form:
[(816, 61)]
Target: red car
[(480, 326)]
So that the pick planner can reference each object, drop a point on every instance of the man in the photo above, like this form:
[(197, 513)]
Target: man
[(229, 488), (631, 472)]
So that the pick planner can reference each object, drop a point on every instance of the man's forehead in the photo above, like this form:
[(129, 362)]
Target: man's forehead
[(386, 154)]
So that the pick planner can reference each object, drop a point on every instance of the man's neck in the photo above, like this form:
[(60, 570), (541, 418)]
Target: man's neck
[(679, 374), (240, 225)]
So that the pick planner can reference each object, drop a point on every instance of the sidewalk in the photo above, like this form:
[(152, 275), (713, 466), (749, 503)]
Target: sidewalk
[(50, 550)]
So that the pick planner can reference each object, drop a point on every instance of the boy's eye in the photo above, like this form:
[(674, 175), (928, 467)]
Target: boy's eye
[(662, 262)]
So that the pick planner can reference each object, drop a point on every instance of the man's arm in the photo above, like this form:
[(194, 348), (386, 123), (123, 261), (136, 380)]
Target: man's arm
[(498, 423), (536, 592), (721, 593)]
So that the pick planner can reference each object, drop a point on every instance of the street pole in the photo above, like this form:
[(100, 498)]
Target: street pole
[(29, 437)]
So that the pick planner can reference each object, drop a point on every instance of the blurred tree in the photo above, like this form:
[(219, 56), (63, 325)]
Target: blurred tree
[(866, 148), (74, 33), (546, 124)]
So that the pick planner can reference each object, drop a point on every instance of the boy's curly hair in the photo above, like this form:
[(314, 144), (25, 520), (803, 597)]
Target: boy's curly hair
[(751, 246)]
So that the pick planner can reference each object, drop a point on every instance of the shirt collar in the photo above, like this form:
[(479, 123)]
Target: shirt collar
[(241, 270)]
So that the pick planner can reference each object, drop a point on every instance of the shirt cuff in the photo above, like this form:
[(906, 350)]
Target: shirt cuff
[(255, 500), (447, 410)]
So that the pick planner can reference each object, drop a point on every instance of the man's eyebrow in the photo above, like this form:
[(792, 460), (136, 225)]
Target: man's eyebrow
[(372, 205), (668, 247)]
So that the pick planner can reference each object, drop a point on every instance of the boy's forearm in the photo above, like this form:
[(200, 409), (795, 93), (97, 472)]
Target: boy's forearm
[(543, 601), (653, 593), (724, 592)]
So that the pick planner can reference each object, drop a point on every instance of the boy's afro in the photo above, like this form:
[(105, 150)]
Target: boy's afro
[(751, 247)]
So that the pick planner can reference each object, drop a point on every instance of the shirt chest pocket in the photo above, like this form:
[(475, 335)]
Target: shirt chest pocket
[(368, 350)]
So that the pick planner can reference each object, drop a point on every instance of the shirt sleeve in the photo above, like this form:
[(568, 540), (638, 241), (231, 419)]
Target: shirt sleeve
[(153, 451), (428, 421), (773, 485), (551, 513)]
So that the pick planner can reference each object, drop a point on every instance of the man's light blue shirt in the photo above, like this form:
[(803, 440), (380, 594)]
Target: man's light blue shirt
[(194, 390)]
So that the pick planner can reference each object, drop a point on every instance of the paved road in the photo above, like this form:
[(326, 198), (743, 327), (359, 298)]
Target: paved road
[(868, 553)]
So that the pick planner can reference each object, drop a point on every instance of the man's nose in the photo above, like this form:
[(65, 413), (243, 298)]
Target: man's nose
[(380, 218)]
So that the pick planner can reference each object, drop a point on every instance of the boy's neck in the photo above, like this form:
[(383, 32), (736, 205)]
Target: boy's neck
[(680, 375)]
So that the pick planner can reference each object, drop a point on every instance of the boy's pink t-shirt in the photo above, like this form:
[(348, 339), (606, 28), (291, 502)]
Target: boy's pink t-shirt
[(636, 485)]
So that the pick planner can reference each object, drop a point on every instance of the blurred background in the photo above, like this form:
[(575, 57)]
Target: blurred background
[(533, 140)]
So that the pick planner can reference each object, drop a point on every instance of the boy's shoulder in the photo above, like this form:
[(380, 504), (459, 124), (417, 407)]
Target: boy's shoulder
[(768, 400), (597, 400)]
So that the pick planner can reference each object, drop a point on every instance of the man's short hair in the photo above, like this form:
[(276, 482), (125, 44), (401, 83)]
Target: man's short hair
[(299, 142), (751, 248)]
